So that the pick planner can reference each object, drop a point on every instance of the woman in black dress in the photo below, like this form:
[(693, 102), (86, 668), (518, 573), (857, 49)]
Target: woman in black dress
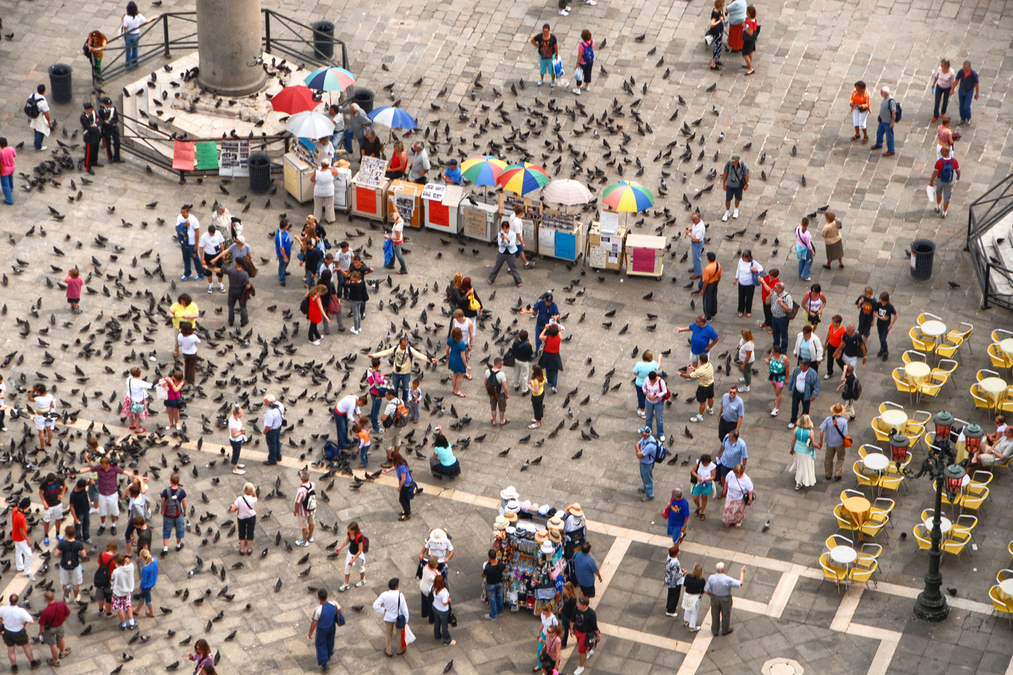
[(717, 32), (749, 33)]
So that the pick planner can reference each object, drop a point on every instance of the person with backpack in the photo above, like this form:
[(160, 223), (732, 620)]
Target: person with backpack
[(946, 171), (852, 390), (103, 579), (496, 390), (395, 419), (173, 513), (647, 452), (889, 115), (37, 110), (585, 62), (782, 309), (324, 622), (306, 508), (283, 247), (71, 552), (655, 394), (355, 557), (404, 359)]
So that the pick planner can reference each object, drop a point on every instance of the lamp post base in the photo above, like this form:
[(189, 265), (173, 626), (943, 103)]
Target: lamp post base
[(931, 609)]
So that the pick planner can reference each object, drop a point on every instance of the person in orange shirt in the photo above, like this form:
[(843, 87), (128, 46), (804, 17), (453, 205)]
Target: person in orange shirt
[(860, 102), (361, 430), (19, 535), (835, 333), (709, 287)]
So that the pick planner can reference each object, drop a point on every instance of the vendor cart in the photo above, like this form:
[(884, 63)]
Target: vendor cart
[(369, 189), (441, 207)]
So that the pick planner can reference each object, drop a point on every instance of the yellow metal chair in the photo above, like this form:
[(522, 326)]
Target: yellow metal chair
[(979, 399), (870, 480), (920, 343), (902, 385), (869, 552), (881, 429), (1006, 402), (847, 493), (914, 431), (1003, 575), (998, 335), (956, 543), (922, 537), (867, 448), (1001, 604), (911, 355), (891, 480), (922, 417), (984, 373), (949, 348), (883, 506), (980, 479), (934, 384), (925, 316), (998, 358), (875, 524), (973, 498), (965, 523), (835, 540), (832, 572), (861, 572), (889, 405), (844, 522), (945, 370), (963, 331), (1009, 549)]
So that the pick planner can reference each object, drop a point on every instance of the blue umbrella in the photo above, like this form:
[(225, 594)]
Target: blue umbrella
[(393, 118)]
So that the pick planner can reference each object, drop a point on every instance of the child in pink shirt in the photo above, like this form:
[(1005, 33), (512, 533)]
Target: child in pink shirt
[(74, 283)]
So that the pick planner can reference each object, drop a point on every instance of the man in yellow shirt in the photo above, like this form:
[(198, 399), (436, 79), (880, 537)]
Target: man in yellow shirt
[(184, 310), (704, 376)]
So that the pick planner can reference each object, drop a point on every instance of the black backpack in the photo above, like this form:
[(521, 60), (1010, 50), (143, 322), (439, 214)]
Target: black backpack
[(304, 306), (104, 574), (32, 107), (493, 386)]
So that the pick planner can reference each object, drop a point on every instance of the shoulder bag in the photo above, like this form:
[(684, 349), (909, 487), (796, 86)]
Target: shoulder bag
[(847, 439), (402, 620)]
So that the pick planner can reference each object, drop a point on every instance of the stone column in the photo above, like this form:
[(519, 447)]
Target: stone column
[(229, 40)]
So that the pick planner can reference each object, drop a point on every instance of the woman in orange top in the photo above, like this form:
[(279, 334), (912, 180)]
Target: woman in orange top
[(399, 162), (835, 333), (860, 102), (95, 48), (945, 137)]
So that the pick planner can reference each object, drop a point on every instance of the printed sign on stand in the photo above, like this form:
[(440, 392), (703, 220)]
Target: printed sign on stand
[(235, 157)]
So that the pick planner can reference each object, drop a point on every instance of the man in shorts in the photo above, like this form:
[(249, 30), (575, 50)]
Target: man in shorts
[(704, 376), (173, 513), (305, 515), (51, 625), (52, 491), (734, 179), (585, 630), (496, 388), (393, 431), (14, 620), (71, 551), (585, 570), (108, 489)]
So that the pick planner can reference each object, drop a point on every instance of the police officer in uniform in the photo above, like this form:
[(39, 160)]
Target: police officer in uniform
[(92, 137), (110, 129)]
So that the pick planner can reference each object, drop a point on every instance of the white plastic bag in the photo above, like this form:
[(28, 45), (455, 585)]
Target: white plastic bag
[(578, 75), (930, 192), (409, 636), (161, 393), (709, 39)]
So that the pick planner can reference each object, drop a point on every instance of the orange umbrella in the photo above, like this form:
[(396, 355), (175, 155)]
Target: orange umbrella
[(295, 99)]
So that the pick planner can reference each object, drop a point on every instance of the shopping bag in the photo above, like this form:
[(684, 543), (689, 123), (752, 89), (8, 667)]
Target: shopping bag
[(578, 76), (161, 393), (930, 192), (557, 66), (388, 253), (709, 39), (409, 636)]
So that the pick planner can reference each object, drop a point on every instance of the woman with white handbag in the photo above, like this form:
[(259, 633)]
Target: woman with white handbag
[(137, 400)]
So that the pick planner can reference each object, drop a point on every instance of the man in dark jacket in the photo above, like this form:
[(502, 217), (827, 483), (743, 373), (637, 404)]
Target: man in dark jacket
[(92, 137)]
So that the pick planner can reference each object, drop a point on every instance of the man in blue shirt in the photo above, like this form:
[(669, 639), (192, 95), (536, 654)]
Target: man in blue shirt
[(732, 452), (733, 411), (647, 450), (967, 86), (283, 247), (544, 310), (678, 516), (585, 569), (453, 174), (703, 340)]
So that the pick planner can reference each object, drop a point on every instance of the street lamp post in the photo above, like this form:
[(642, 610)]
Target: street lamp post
[(941, 465)]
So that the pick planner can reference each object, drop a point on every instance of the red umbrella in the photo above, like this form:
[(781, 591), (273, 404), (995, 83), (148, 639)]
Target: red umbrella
[(295, 99)]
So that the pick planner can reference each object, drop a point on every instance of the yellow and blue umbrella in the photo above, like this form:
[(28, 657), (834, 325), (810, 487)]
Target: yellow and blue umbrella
[(329, 79), (627, 196), (482, 169), (523, 178)]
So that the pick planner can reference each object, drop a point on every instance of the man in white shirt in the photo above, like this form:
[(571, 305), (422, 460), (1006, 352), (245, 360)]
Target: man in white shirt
[(420, 163), (391, 603), (212, 252), (517, 227), (14, 621), (274, 416), (40, 124), (440, 547), (347, 411), (696, 235), (188, 232), (221, 218), (507, 242)]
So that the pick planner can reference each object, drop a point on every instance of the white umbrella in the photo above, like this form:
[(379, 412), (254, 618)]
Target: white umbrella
[(566, 191), (310, 125)]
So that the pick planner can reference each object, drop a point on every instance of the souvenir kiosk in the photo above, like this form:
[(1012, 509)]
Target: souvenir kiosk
[(560, 235), (606, 241), (406, 197), (299, 163), (531, 217), (479, 220), (441, 207), (531, 548), (645, 255), (369, 189)]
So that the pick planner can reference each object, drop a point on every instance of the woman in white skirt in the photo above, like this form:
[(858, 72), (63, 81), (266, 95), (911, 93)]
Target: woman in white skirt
[(804, 451), (692, 589), (860, 103)]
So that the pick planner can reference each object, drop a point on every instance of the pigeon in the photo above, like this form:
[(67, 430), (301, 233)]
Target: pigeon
[(953, 284), (688, 433), (712, 87), (450, 665), (949, 589), (766, 526), (578, 454)]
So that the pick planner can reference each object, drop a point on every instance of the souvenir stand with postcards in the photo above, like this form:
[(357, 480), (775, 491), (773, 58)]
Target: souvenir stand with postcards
[(441, 207), (406, 198), (531, 217), (645, 255), (530, 544), (299, 163), (369, 189), (479, 219), (606, 241), (560, 235)]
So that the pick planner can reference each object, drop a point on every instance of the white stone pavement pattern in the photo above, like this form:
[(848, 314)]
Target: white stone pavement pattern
[(808, 57)]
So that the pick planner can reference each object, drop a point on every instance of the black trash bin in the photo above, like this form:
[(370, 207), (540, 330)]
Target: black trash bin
[(923, 252), (60, 83), (260, 174), (364, 99), (323, 39)]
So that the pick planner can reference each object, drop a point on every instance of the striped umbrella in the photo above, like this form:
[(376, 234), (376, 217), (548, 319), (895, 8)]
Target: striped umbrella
[(523, 178), (330, 79), (482, 169), (627, 196), (294, 99), (566, 191), (393, 118)]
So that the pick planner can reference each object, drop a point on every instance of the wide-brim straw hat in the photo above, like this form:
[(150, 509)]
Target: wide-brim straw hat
[(555, 536), (510, 516), (501, 523), (541, 536), (437, 535), (509, 492), (574, 509), (555, 523)]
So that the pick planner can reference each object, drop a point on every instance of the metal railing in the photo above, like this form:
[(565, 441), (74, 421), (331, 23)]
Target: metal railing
[(983, 214), (178, 30)]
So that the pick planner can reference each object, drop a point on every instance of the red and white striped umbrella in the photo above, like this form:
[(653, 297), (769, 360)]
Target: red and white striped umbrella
[(566, 191)]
